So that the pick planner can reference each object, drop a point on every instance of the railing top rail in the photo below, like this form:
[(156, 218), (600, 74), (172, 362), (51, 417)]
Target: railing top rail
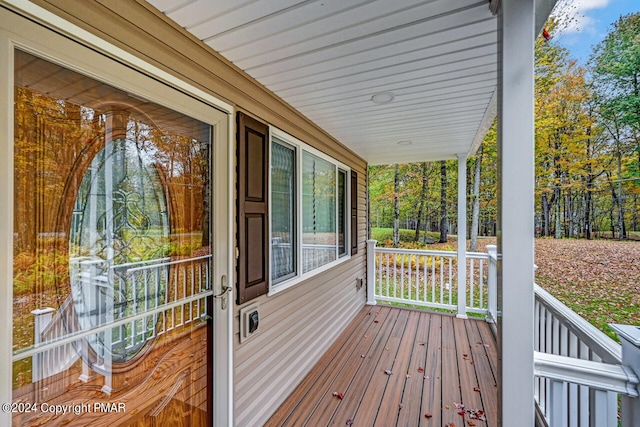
[(596, 375), (155, 262), (478, 255), (606, 348), (416, 252), (164, 264), (428, 252), (73, 337)]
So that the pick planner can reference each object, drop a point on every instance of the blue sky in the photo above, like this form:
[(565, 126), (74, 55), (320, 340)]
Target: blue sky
[(587, 22)]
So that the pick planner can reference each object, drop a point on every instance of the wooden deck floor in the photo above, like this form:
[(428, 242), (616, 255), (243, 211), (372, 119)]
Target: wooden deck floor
[(397, 367)]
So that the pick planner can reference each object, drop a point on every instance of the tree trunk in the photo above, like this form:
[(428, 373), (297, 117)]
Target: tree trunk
[(570, 215), (423, 200), (620, 199), (443, 202), (396, 207), (587, 211), (475, 214), (545, 216), (558, 219)]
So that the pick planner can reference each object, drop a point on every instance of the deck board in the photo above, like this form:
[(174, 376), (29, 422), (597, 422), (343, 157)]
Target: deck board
[(436, 361), (412, 393), (432, 390)]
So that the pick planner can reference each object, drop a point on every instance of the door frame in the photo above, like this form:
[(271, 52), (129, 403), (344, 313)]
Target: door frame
[(44, 39)]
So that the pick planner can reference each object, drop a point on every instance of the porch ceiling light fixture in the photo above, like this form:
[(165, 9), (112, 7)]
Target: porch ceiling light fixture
[(405, 142), (383, 97)]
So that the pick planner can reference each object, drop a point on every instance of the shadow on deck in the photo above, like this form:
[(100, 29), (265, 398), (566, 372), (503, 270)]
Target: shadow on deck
[(400, 367)]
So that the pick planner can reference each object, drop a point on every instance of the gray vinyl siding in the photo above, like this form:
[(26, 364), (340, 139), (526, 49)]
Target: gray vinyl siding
[(297, 325)]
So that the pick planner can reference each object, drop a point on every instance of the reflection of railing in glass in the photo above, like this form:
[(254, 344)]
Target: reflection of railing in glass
[(129, 306)]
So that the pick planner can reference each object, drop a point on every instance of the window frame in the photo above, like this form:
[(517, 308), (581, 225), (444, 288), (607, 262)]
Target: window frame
[(299, 147)]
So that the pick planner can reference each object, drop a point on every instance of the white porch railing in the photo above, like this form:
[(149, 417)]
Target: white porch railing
[(580, 371), (429, 279), (116, 313)]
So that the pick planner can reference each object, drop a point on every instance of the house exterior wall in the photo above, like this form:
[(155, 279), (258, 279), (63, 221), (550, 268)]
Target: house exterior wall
[(297, 324)]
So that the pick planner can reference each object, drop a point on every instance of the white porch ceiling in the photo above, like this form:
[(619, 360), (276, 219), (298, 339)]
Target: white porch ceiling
[(328, 58)]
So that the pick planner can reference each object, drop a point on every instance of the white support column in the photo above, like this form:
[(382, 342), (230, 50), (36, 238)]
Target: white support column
[(462, 236), (516, 31), (630, 339), (371, 272)]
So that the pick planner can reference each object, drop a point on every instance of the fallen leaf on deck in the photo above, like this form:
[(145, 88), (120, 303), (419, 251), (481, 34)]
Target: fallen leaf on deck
[(446, 406), (471, 423), (338, 395), (376, 321), (476, 389), (408, 376), (349, 422), (388, 371), (465, 356), (477, 414), (428, 415), (461, 413), (426, 377), (459, 405), (421, 370)]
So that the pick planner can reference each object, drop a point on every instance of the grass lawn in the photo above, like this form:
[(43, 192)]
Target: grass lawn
[(598, 279)]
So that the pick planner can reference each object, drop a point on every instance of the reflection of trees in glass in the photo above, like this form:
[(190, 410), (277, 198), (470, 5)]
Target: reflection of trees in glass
[(120, 194), (55, 143), (318, 196)]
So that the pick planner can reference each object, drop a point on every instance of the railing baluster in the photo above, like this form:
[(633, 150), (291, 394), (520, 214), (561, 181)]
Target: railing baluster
[(409, 285), (395, 275), (557, 404), (451, 281), (440, 282), (481, 283), (471, 282), (386, 276), (417, 279)]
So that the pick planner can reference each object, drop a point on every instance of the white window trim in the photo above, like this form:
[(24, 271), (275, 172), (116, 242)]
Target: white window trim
[(301, 147)]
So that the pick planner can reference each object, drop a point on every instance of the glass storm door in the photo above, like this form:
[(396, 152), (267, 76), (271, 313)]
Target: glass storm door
[(113, 263)]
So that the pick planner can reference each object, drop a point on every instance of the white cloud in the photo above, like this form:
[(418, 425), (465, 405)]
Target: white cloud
[(573, 15), (585, 5)]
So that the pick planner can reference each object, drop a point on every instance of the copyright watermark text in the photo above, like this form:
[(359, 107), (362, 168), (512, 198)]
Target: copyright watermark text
[(68, 408)]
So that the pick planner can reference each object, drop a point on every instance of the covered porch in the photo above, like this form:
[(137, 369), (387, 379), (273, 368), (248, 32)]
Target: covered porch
[(328, 74), (399, 366), (410, 357)]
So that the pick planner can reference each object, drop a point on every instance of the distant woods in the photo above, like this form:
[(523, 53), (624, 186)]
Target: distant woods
[(587, 154)]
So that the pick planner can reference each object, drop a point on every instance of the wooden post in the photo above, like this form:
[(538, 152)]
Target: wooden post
[(462, 236), (630, 339), (371, 272)]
